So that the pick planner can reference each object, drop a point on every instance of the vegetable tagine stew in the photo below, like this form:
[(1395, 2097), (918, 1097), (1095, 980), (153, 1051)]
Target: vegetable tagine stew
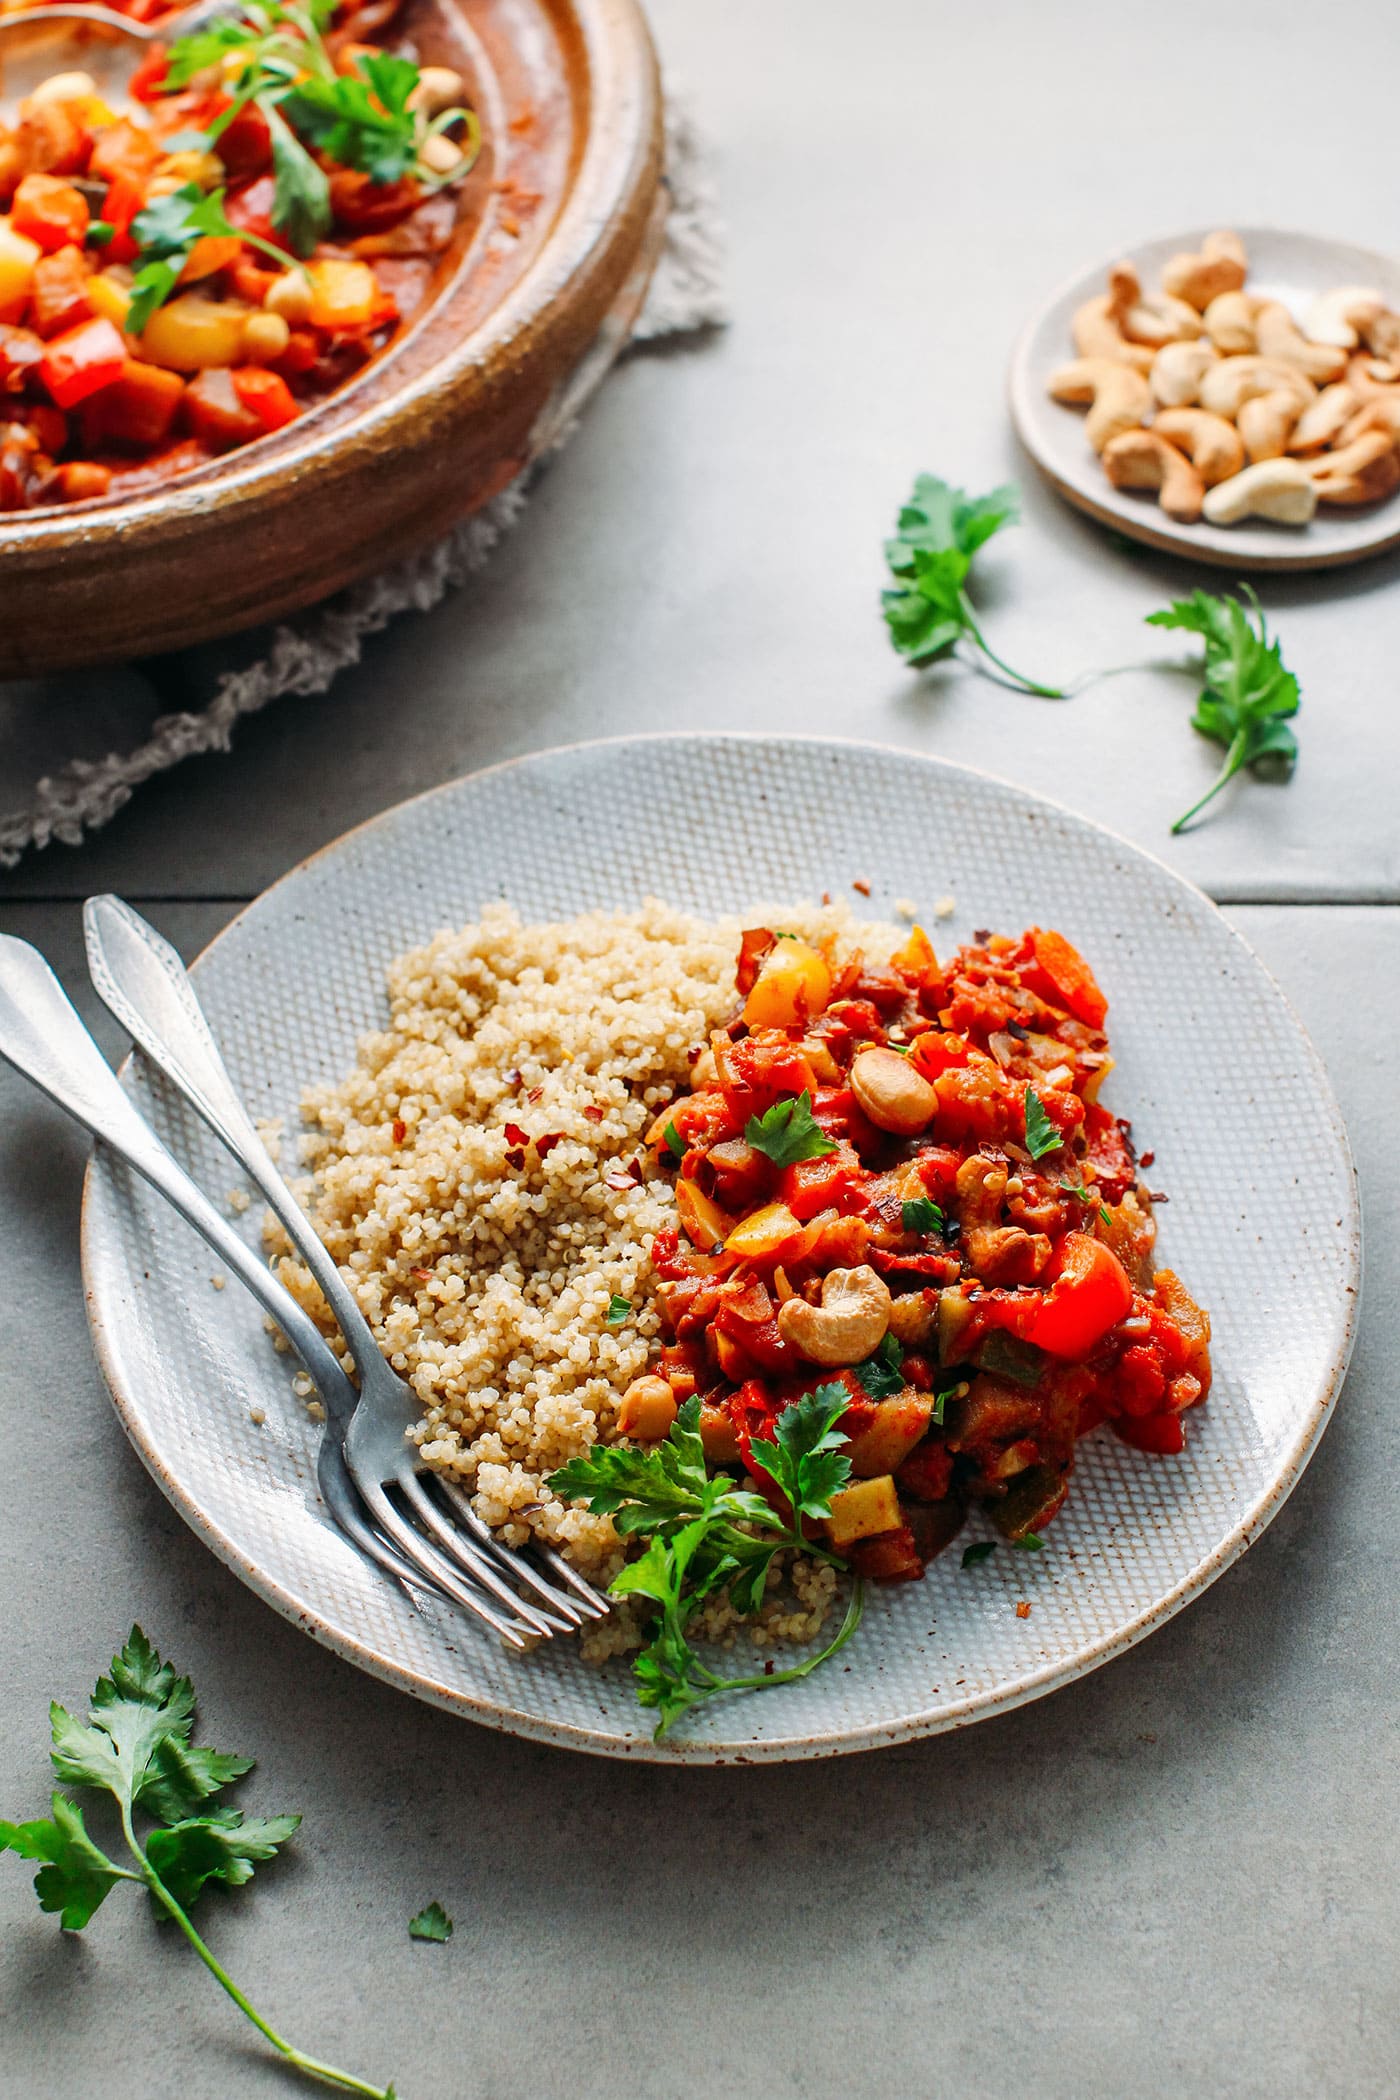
[(177, 282), (899, 1182)]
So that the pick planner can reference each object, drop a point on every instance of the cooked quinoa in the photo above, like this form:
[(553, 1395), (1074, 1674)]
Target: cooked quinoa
[(474, 1178)]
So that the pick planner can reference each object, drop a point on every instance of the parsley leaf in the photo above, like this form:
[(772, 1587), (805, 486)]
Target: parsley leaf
[(882, 1374), (673, 1147), (1087, 1197), (361, 119), (928, 610), (165, 233), (431, 1923), (704, 1534), (135, 1745), (618, 1309), (1041, 1134), (978, 1551), (921, 1215), (1249, 694), (1028, 1542), (788, 1132), (947, 1386)]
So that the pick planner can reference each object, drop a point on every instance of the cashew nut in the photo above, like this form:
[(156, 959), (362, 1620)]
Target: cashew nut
[(1212, 445), (1266, 423), (1372, 377), (1097, 334), (894, 1095), (1231, 382), (1381, 412), (1177, 372), (1278, 335), (1281, 489), (1229, 322), (1220, 266), (1153, 318), (847, 1326), (1120, 397), (1323, 419), (1141, 459), (1363, 472), (1381, 332), (1335, 316)]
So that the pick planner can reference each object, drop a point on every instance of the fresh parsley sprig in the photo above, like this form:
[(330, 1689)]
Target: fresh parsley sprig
[(928, 611), (704, 1534), (788, 1132), (1041, 1134), (1249, 692), (135, 1745), (165, 233)]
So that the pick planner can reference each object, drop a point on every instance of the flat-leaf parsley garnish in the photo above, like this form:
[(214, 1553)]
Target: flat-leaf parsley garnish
[(618, 1309), (135, 1745), (1249, 692), (978, 1551), (673, 1145), (928, 611), (704, 1534), (882, 1374), (1088, 1197), (921, 1215), (1041, 1134), (431, 1923), (165, 233), (788, 1132)]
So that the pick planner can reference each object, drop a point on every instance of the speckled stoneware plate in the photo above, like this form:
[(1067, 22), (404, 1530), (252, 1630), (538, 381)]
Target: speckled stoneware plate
[(1293, 267), (1213, 1067)]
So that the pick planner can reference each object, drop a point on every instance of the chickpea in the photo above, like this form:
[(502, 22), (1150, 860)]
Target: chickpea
[(65, 87), (265, 337), (648, 1409), (440, 154), (439, 88), (289, 296)]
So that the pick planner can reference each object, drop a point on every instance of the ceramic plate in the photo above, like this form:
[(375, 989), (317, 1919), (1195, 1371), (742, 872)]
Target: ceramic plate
[(1293, 267), (1213, 1067)]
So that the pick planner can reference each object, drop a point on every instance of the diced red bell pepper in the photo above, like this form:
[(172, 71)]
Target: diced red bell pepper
[(1060, 974), (245, 143), (148, 79), (215, 414), (1108, 1156), (138, 409), (1089, 1294), (81, 361), (1162, 1434), (302, 351), (126, 196), (937, 1050), (267, 394), (810, 1185), (50, 211), (249, 208)]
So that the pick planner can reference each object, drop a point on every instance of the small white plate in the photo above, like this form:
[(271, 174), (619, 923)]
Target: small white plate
[(1213, 1067), (1293, 267)]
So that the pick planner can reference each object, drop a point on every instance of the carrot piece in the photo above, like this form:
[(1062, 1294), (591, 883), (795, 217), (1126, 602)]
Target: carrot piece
[(81, 361), (59, 295), (123, 149), (50, 211), (267, 394), (139, 408), (1070, 981), (80, 480)]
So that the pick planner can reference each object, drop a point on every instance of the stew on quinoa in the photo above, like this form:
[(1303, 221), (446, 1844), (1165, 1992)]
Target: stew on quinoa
[(177, 282), (901, 1178)]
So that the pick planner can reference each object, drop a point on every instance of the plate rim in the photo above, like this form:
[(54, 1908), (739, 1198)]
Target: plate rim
[(492, 1713), (1151, 528)]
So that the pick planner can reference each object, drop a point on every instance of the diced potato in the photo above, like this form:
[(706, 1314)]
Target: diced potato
[(108, 296), (704, 1223), (862, 1511), (717, 1436), (19, 257), (793, 985), (343, 294), (764, 1234), (194, 334), (893, 1430)]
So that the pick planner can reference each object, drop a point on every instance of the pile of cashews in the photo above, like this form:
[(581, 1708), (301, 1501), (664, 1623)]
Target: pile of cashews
[(1220, 402)]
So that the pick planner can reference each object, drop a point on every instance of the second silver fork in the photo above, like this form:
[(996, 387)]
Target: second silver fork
[(142, 980)]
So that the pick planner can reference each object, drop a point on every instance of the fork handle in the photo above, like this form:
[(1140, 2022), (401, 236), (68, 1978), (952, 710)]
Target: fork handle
[(143, 982), (42, 1036)]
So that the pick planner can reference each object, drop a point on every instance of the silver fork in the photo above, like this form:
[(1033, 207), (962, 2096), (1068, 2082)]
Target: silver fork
[(139, 976), (186, 22), (42, 1036)]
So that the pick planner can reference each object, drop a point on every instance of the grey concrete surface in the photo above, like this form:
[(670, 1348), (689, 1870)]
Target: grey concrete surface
[(1176, 1880)]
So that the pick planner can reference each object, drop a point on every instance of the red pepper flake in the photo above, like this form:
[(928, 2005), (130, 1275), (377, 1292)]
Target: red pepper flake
[(545, 1145), (515, 1079), (515, 1135), (515, 1160), (863, 888), (423, 1275), (594, 1113), (826, 896), (1023, 1610), (1148, 1159), (400, 1130), (623, 1175), (536, 1093), (1159, 1196)]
